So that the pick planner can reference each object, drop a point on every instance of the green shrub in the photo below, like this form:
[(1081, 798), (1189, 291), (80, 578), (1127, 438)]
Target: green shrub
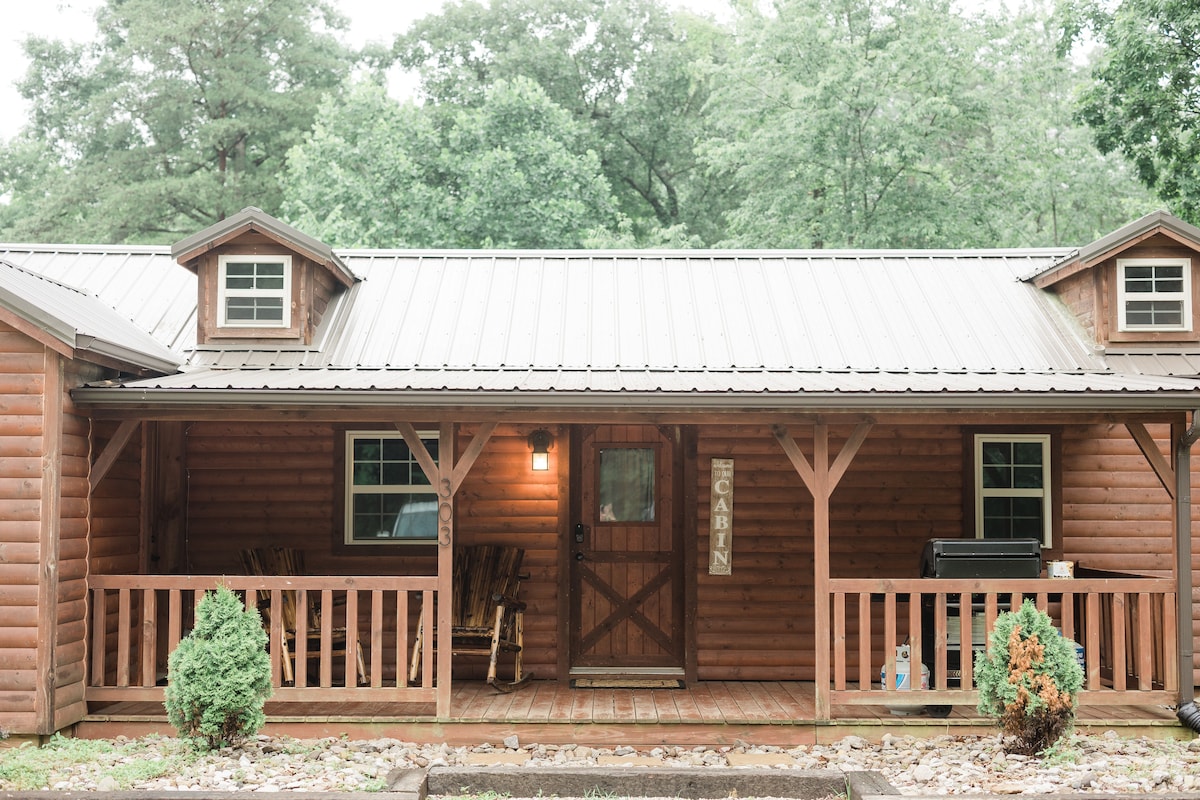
[(219, 677), (1028, 680)]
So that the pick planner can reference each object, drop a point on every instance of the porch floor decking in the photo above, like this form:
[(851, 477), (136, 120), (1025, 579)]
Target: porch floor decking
[(549, 712)]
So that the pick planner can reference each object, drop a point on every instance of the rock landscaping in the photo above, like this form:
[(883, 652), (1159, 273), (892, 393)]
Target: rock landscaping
[(939, 765)]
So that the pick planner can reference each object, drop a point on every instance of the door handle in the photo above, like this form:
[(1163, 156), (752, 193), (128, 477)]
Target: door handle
[(580, 557)]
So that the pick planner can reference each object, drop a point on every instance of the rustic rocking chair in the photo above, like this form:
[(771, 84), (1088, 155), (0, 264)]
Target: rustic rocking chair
[(487, 617), (287, 561)]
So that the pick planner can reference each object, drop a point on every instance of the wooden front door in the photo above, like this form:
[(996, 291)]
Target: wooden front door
[(626, 587)]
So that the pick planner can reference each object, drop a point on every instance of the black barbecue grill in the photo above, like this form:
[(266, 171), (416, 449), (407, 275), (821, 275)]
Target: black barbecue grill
[(971, 558), (981, 558)]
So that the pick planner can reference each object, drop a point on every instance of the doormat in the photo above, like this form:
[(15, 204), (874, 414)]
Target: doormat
[(626, 683)]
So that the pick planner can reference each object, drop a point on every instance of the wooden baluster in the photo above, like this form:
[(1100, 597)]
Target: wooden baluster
[(839, 641), (99, 635), (1120, 661), (864, 642), (377, 638), (402, 638), (123, 636), (149, 643)]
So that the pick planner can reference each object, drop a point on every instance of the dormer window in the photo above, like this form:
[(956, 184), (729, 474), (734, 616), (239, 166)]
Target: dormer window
[(254, 291), (1154, 294)]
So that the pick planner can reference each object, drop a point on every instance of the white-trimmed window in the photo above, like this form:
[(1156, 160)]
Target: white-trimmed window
[(1154, 294), (388, 496), (1013, 487), (255, 291)]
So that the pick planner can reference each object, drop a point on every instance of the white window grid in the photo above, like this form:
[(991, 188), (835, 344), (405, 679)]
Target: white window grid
[(1044, 492), (427, 438), (224, 293), (1181, 298)]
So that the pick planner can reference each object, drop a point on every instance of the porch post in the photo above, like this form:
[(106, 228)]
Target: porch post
[(1183, 558), (821, 491), (445, 591), (445, 476), (821, 480)]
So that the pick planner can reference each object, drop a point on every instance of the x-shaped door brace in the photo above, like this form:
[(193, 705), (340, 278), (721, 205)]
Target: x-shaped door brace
[(626, 608)]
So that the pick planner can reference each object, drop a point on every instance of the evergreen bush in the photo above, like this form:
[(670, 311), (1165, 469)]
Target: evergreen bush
[(219, 677), (1028, 680)]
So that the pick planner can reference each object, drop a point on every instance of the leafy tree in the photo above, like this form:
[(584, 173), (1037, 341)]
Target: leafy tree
[(511, 172), (1145, 99), (635, 74), (853, 123), (181, 113), (1049, 183)]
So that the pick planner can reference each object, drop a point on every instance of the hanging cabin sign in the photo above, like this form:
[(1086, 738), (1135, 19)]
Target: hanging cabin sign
[(720, 518)]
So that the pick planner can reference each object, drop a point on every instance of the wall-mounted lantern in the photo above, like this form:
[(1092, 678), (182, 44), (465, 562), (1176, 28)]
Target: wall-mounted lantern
[(540, 441)]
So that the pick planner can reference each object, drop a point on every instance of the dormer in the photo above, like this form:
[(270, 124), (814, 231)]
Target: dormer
[(1137, 286), (260, 279)]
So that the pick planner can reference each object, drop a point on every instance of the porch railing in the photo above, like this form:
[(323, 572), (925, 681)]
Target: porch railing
[(1125, 627), (137, 621)]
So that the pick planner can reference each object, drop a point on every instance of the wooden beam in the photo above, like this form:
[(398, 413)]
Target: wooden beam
[(796, 456), (49, 530), (445, 558), (848, 452), (111, 452), (821, 491), (1146, 443), (420, 453), (464, 464), (821, 479)]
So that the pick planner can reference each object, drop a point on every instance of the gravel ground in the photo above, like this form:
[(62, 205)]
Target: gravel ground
[(939, 765)]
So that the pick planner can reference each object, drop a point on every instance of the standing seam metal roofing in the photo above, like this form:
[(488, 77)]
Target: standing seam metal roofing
[(651, 321)]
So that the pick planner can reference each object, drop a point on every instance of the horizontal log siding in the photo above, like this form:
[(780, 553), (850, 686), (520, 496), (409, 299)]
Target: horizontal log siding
[(263, 485), (757, 624), (1116, 514), (71, 628), (504, 502), (1079, 294), (22, 382)]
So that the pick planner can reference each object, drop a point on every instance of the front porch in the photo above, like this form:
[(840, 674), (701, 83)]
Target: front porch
[(713, 713), (1124, 624)]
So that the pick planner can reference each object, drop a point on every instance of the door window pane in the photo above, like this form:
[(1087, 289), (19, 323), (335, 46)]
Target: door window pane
[(627, 484)]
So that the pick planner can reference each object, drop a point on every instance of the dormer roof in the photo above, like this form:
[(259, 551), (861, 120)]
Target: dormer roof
[(255, 220), (1125, 237)]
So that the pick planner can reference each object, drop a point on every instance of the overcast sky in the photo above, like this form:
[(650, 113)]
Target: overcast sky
[(370, 20)]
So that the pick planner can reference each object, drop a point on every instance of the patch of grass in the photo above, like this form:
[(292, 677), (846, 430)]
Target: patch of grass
[(29, 768)]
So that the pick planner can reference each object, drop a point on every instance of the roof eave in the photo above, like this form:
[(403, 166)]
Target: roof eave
[(1144, 401), (162, 365)]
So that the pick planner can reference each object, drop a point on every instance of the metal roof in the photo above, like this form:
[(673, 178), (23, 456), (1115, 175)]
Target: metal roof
[(80, 320), (795, 325)]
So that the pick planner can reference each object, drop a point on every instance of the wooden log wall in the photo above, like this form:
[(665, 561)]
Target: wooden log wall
[(903, 488), (263, 484), (22, 382), (1116, 514)]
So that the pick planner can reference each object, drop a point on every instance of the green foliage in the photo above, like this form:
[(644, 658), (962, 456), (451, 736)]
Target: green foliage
[(1145, 97), (633, 74), (1028, 679), (180, 113), (512, 172), (219, 677)]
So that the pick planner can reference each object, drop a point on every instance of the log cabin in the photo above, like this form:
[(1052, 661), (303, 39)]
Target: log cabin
[(726, 471)]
